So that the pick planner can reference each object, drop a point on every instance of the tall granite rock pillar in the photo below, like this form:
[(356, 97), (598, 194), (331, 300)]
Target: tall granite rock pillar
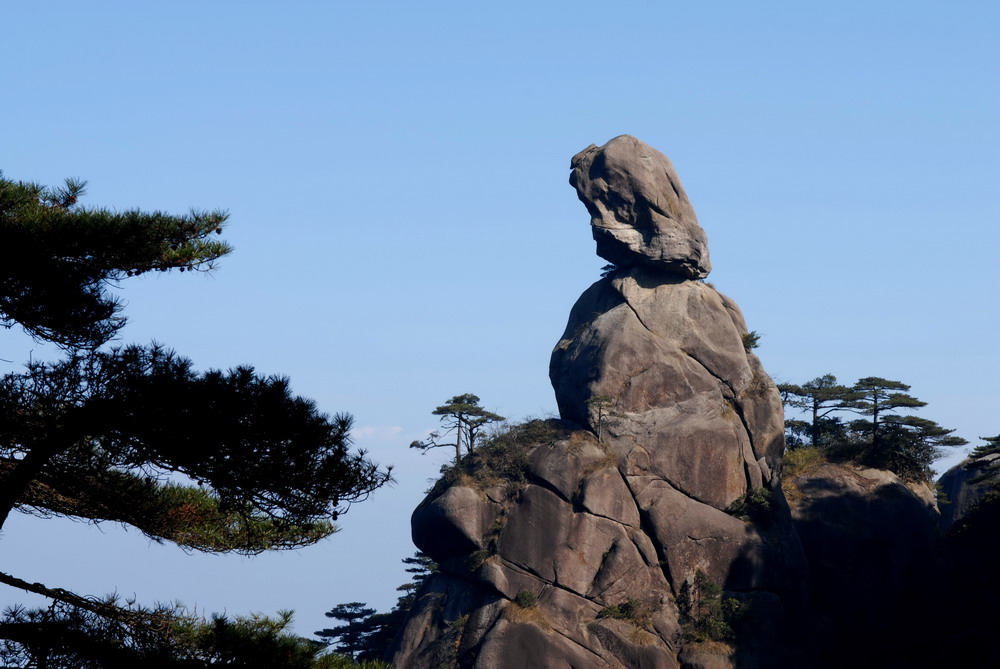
[(681, 393), (592, 541)]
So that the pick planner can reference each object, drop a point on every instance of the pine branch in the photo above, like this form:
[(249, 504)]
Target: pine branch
[(105, 608)]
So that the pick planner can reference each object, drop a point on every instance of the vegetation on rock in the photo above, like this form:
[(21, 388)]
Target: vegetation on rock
[(502, 458), (462, 416), (631, 610), (526, 599), (884, 439), (707, 614), (756, 505), (367, 635), (603, 407), (751, 340)]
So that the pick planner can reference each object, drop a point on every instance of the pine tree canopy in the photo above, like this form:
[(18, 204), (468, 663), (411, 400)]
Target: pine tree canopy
[(462, 415), (992, 445), (116, 419), (906, 445), (111, 634), (876, 396), (57, 259), (214, 461)]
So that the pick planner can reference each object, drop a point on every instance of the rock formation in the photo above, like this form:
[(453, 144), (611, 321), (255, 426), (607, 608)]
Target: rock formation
[(649, 527), (607, 541), (873, 549), (965, 485)]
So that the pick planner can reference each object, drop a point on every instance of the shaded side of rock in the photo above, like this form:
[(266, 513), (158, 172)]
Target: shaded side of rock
[(964, 486), (875, 562)]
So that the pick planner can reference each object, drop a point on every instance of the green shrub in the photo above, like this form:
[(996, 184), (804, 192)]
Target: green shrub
[(632, 610), (751, 340), (337, 661), (526, 599), (503, 456), (755, 505), (707, 614), (474, 561)]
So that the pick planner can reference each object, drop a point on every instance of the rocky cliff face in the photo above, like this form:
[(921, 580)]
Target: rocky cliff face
[(617, 535)]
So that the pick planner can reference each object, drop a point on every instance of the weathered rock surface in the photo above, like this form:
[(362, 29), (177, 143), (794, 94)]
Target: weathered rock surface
[(582, 533), (686, 399), (570, 535), (617, 515), (639, 211)]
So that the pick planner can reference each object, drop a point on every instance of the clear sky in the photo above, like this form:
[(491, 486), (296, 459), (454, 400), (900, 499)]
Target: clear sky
[(396, 177)]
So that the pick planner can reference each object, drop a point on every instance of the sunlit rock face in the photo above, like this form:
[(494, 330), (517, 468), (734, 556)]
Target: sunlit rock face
[(685, 400), (594, 555)]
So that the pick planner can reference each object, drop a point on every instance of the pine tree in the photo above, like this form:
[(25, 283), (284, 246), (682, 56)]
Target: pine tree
[(908, 445), (603, 406), (463, 416), (991, 446), (68, 637), (875, 397), (112, 434), (349, 638), (819, 398), (57, 259), (377, 631)]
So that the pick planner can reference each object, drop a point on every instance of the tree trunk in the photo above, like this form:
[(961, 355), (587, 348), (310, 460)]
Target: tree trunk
[(25, 471)]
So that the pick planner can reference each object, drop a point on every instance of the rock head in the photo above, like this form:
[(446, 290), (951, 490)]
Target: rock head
[(639, 212)]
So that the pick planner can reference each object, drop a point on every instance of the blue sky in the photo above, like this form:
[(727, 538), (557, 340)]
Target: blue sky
[(396, 178)]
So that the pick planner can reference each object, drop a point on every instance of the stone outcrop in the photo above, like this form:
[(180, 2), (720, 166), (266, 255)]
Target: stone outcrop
[(965, 485), (569, 538), (660, 483)]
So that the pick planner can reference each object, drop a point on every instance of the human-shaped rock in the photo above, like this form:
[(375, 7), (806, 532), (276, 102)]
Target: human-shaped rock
[(669, 422)]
